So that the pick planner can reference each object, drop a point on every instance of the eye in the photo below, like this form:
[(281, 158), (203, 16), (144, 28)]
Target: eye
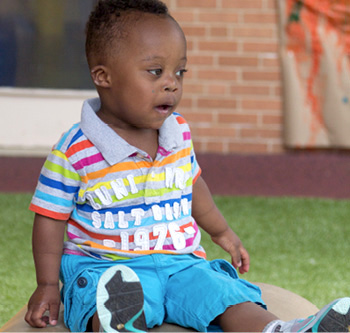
[(181, 72), (156, 72)]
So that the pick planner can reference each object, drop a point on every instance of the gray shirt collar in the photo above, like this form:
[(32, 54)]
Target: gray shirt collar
[(114, 148)]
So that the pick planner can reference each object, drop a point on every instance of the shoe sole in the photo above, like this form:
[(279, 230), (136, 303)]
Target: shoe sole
[(119, 301), (335, 317)]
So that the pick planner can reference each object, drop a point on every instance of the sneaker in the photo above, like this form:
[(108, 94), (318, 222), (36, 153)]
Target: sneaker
[(334, 317), (119, 301)]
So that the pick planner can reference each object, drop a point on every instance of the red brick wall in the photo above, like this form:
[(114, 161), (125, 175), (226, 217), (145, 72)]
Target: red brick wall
[(232, 91)]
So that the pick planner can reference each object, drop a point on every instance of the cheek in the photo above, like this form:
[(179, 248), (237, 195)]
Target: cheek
[(145, 94), (179, 94)]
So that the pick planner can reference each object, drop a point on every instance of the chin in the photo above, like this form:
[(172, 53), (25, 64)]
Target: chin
[(154, 126), (157, 127)]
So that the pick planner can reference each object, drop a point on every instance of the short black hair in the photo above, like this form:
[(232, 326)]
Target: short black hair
[(108, 22)]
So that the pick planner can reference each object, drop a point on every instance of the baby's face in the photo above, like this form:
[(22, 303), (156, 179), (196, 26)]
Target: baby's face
[(147, 73)]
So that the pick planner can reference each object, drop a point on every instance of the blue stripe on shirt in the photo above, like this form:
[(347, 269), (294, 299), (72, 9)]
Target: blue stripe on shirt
[(53, 199), (58, 185), (64, 137), (75, 137)]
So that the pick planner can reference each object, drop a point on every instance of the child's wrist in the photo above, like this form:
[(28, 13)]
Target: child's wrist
[(47, 284)]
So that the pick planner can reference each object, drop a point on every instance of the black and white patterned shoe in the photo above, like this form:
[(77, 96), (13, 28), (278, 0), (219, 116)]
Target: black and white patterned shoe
[(119, 301)]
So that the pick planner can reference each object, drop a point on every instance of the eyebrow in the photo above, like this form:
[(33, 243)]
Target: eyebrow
[(153, 58)]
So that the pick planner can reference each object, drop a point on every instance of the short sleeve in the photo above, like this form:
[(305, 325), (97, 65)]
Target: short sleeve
[(57, 187), (196, 170), (188, 143)]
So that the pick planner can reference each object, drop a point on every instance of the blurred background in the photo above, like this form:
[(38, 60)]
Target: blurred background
[(267, 91)]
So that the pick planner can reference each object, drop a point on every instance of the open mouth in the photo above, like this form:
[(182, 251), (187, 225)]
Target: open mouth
[(164, 108)]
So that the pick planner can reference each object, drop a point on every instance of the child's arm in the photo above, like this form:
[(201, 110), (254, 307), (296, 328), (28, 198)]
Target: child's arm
[(208, 217), (48, 236)]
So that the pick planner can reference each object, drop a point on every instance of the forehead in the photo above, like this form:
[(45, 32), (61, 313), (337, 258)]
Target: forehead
[(149, 34)]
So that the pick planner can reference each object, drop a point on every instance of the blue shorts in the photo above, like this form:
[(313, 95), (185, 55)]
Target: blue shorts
[(180, 289)]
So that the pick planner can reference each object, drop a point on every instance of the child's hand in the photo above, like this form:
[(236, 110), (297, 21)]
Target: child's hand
[(45, 298), (231, 243)]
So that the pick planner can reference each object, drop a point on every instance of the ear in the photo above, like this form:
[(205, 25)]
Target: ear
[(100, 76)]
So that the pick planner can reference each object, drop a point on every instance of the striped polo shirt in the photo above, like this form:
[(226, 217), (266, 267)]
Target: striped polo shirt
[(118, 202)]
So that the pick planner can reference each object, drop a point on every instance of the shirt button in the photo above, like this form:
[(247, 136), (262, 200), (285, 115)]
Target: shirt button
[(82, 282)]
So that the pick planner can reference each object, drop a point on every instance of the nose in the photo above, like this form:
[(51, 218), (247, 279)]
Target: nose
[(170, 84)]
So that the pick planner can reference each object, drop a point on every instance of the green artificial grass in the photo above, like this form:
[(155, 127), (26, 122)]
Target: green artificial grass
[(295, 243), (16, 268)]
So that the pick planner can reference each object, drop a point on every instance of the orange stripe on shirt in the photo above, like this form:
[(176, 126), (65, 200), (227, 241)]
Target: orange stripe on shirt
[(123, 166), (78, 147), (201, 254), (181, 120), (49, 213), (174, 157), (197, 176), (94, 235)]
